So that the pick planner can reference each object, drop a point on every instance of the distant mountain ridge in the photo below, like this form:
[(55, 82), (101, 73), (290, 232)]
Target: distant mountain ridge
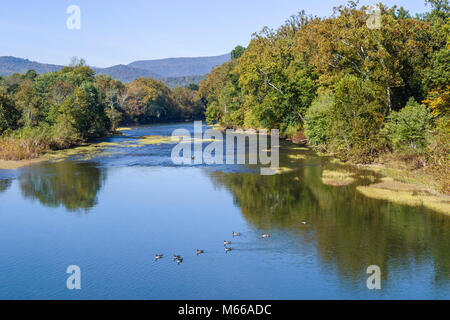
[(179, 67), (10, 65), (125, 73), (173, 71)]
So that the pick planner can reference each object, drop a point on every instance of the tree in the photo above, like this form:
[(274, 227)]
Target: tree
[(318, 121), (149, 100), (110, 91), (211, 89), (9, 115), (189, 103), (437, 75), (356, 120), (237, 52), (409, 128), (391, 56), (193, 86), (27, 103)]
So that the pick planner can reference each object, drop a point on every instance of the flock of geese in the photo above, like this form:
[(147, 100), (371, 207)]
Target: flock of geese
[(226, 244)]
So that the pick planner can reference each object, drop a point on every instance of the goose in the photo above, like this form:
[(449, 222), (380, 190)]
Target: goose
[(236, 234), (228, 249), (226, 243), (305, 223), (265, 235), (180, 260), (175, 257), (159, 256), (200, 251)]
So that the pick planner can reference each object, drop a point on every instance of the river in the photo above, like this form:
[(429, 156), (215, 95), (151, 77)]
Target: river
[(111, 208)]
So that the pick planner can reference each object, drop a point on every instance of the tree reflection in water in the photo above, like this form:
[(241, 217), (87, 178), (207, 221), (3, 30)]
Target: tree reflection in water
[(5, 184), (351, 232), (73, 185)]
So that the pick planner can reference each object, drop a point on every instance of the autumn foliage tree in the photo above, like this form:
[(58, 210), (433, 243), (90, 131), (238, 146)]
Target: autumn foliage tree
[(342, 79)]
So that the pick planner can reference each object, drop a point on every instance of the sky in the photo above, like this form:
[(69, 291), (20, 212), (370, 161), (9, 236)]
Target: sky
[(119, 32)]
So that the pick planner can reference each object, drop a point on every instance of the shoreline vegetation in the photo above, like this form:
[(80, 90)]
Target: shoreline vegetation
[(71, 107), (396, 185), (363, 94)]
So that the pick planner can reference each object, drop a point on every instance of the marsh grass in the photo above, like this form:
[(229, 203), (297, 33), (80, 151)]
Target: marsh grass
[(21, 149), (403, 193), (337, 178)]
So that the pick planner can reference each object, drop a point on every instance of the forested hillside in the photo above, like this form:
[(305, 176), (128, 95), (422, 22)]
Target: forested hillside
[(180, 67), (354, 91)]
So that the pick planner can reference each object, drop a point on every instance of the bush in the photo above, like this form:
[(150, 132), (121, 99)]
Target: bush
[(356, 117), (407, 129), (20, 149), (9, 115), (317, 121), (438, 152), (25, 143)]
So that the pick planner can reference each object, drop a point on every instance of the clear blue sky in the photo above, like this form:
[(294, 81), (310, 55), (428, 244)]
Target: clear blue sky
[(119, 32)]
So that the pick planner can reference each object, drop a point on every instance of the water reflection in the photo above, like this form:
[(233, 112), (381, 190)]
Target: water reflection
[(350, 231), (72, 185), (5, 184)]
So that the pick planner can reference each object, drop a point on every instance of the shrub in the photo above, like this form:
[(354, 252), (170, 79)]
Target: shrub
[(356, 117), (317, 121), (407, 129), (9, 115), (438, 152), (26, 143)]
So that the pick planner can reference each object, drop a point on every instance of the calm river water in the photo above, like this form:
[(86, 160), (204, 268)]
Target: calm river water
[(110, 209)]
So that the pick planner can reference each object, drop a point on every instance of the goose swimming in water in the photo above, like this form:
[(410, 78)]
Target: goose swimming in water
[(175, 257), (200, 251), (180, 260), (159, 256), (228, 249), (236, 234), (265, 235), (226, 243)]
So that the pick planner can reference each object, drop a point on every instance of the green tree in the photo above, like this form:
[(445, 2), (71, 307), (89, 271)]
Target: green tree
[(9, 115), (409, 128), (356, 120), (237, 52), (27, 103), (318, 121), (149, 100)]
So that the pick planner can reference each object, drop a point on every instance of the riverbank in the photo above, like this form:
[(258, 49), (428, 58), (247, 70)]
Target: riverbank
[(406, 186), (87, 150), (36, 154), (17, 164)]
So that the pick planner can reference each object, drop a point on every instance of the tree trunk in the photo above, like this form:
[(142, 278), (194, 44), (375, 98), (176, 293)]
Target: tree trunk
[(389, 102)]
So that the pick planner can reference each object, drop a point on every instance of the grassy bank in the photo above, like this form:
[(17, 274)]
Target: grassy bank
[(406, 193), (400, 183)]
